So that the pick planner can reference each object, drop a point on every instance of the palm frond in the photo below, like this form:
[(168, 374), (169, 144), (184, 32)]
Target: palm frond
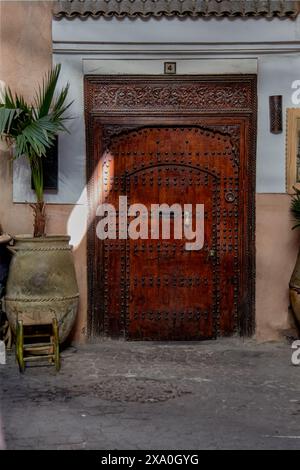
[(15, 101), (59, 106), (39, 135), (9, 101), (295, 207), (33, 128), (45, 94), (15, 114), (7, 116)]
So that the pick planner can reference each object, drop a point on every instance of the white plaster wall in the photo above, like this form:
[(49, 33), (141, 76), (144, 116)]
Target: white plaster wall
[(269, 48), (276, 74), (175, 30)]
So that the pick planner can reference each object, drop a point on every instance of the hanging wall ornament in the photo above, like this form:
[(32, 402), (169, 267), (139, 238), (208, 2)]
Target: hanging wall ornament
[(275, 103)]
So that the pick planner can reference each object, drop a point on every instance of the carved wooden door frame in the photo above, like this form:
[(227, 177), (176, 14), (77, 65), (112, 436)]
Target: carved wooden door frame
[(115, 103)]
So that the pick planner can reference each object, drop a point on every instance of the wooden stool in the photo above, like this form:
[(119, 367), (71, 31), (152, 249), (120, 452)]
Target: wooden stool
[(31, 344)]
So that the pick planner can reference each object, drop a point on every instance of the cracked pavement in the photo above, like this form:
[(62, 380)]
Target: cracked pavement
[(224, 394)]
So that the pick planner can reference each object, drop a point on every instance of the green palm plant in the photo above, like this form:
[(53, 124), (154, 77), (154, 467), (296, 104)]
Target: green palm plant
[(31, 129), (295, 207)]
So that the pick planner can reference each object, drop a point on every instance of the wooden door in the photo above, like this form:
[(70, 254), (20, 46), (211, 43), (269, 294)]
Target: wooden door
[(171, 290), (156, 289)]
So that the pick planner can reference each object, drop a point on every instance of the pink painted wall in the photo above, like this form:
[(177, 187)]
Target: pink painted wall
[(276, 250), (25, 55)]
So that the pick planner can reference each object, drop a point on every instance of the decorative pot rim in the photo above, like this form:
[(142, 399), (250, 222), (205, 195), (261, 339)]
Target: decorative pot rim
[(5, 238), (48, 238)]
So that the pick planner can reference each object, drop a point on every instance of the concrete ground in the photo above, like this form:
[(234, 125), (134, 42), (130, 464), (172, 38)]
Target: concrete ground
[(225, 394)]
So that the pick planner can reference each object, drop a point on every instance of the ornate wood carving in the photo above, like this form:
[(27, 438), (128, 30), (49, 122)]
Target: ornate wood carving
[(184, 94), (136, 145)]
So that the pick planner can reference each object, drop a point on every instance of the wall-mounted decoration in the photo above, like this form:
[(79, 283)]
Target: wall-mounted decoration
[(275, 104), (293, 150)]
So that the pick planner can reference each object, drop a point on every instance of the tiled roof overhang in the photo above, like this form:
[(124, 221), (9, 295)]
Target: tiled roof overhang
[(181, 8)]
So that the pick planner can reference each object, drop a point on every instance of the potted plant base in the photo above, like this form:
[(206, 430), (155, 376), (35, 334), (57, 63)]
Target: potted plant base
[(41, 287), (42, 283), (4, 260), (294, 285), (294, 290), (5, 330)]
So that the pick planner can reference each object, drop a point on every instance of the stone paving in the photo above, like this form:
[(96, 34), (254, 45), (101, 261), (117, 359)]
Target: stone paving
[(224, 394)]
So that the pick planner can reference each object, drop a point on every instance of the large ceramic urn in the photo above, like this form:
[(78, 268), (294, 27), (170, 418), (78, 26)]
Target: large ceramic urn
[(4, 261), (295, 289), (42, 283)]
